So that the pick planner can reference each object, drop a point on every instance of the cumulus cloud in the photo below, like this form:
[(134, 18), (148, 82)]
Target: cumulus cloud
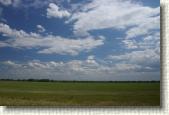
[(150, 41), (83, 66), (48, 44), (115, 14), (40, 28), (141, 42), (145, 28), (54, 11), (75, 70), (148, 57), (91, 59)]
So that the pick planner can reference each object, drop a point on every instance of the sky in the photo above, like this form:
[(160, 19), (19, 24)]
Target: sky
[(95, 40)]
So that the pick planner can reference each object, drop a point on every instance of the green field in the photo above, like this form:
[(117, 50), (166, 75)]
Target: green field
[(20, 93)]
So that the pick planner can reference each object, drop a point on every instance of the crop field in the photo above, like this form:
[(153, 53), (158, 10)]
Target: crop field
[(26, 93)]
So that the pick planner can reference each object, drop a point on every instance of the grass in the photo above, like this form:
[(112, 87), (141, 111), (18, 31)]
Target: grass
[(24, 93)]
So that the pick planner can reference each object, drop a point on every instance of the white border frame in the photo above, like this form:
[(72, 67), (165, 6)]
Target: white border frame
[(162, 110)]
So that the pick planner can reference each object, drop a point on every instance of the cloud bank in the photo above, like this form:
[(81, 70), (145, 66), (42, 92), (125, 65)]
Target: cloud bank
[(89, 69), (49, 44), (116, 14)]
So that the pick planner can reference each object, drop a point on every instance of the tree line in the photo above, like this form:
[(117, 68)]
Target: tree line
[(49, 80)]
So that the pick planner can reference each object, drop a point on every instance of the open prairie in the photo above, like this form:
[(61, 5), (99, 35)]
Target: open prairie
[(24, 93)]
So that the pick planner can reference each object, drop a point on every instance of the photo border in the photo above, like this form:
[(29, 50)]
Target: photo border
[(122, 110)]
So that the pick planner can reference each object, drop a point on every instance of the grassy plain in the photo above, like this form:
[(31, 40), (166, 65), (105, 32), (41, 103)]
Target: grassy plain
[(24, 93)]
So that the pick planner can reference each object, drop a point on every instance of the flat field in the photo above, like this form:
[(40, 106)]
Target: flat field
[(26, 93)]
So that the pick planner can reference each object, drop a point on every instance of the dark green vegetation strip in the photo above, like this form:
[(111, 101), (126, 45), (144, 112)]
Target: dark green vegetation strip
[(26, 93)]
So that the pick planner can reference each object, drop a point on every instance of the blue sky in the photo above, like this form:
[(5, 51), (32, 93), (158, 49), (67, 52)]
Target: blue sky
[(80, 40)]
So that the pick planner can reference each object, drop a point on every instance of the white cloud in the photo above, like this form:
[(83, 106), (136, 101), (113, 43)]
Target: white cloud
[(37, 65), (153, 23), (40, 28), (83, 66), (116, 14), (91, 60), (150, 41), (130, 44), (123, 67), (54, 11), (48, 44), (134, 18), (12, 64), (70, 46), (9, 62), (91, 57), (14, 3), (76, 70), (143, 57)]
